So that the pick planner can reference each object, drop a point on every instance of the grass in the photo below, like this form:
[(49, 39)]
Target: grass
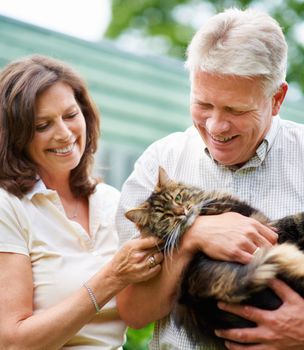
[(139, 339)]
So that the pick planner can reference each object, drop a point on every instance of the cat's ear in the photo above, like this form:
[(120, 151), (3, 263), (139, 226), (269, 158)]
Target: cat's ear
[(163, 177), (138, 215)]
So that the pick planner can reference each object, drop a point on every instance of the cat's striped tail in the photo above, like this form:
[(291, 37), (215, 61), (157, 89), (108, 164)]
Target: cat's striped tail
[(281, 260), (284, 259), (234, 282), (207, 281)]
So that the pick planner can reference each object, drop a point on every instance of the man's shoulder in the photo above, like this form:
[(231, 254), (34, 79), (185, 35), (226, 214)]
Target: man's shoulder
[(176, 148), (105, 189), (291, 133), (177, 142), (290, 125), (105, 195)]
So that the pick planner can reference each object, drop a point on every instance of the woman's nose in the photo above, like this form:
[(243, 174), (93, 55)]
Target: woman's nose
[(62, 132)]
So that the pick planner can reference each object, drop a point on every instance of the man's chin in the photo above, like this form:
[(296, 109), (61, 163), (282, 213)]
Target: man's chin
[(224, 161)]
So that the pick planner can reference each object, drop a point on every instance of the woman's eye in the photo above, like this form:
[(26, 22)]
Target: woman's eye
[(178, 198), (41, 127), (71, 116)]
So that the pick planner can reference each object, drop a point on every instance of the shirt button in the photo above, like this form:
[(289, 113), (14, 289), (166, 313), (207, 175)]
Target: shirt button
[(84, 244)]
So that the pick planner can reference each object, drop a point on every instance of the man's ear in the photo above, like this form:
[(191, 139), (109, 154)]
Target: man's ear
[(278, 98)]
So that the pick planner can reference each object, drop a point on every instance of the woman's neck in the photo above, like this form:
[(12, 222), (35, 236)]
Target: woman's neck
[(59, 183)]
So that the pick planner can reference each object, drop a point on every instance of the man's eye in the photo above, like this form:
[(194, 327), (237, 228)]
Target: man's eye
[(238, 112), (205, 106), (235, 111)]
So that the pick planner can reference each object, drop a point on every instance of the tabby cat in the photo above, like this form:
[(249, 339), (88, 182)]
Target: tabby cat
[(171, 209)]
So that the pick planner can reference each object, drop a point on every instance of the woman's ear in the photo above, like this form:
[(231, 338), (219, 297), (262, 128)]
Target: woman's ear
[(278, 98)]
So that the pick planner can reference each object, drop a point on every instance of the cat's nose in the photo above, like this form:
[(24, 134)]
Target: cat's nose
[(179, 210)]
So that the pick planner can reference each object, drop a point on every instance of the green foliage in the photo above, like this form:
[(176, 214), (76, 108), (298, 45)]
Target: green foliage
[(158, 19), (151, 18), (138, 339)]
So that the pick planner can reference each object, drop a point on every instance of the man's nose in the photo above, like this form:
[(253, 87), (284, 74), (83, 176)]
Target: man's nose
[(217, 123)]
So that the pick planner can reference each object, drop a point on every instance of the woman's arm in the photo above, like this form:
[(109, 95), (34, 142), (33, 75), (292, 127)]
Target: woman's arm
[(21, 328), (142, 303)]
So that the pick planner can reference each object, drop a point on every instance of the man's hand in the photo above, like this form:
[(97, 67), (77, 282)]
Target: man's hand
[(228, 237), (281, 329)]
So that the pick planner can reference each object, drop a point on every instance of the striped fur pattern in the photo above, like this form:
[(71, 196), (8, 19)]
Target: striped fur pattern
[(171, 210)]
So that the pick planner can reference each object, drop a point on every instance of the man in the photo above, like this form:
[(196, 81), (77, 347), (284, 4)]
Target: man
[(237, 64)]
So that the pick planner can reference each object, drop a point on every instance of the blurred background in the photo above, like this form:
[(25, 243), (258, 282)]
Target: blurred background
[(131, 54)]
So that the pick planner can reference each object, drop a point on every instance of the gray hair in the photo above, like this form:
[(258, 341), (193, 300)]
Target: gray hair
[(245, 43)]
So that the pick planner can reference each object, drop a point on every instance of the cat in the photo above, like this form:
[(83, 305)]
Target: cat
[(171, 209)]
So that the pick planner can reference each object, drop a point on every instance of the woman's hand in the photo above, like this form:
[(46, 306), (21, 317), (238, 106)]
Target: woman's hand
[(281, 329), (138, 260), (228, 237)]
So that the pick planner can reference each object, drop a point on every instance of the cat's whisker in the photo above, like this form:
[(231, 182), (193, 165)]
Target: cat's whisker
[(169, 240), (172, 240), (170, 244)]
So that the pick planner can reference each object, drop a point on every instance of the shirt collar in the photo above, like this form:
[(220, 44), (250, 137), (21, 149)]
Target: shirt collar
[(39, 188), (263, 148)]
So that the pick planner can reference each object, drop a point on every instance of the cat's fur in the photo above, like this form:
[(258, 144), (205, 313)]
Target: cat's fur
[(171, 210)]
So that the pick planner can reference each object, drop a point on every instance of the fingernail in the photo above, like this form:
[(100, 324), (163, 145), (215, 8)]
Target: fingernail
[(221, 305), (227, 344)]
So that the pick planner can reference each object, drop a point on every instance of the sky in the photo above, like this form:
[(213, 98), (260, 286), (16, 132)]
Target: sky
[(86, 19)]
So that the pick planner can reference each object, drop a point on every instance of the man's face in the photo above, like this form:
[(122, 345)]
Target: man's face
[(231, 114)]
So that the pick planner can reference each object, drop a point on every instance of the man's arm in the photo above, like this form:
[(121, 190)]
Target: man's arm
[(281, 329), (142, 303)]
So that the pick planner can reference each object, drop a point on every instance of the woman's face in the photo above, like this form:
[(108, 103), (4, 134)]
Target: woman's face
[(60, 136)]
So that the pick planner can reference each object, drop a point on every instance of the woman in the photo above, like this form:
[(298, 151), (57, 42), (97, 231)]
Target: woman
[(59, 265)]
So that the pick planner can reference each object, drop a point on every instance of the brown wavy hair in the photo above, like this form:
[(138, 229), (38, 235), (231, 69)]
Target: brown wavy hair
[(20, 84)]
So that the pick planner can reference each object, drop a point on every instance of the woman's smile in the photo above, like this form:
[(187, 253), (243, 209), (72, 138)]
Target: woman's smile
[(63, 150)]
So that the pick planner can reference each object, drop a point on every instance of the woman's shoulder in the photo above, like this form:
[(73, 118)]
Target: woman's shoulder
[(12, 209), (105, 189), (106, 195), (8, 198)]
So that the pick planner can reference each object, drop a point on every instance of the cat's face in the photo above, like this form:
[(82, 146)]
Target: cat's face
[(168, 212)]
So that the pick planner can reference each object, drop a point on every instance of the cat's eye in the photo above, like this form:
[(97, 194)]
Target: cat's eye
[(178, 198)]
